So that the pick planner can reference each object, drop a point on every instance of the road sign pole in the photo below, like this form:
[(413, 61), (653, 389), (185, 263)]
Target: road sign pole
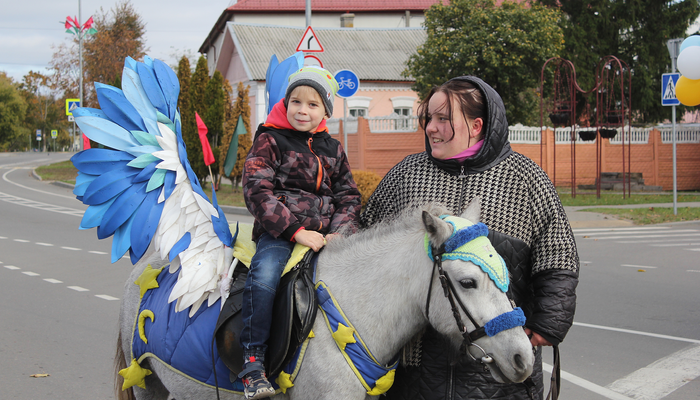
[(673, 46)]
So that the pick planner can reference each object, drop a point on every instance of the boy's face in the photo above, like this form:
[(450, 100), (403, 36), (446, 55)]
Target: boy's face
[(305, 109)]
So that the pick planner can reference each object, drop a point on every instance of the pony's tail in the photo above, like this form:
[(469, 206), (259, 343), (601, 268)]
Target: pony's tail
[(119, 364)]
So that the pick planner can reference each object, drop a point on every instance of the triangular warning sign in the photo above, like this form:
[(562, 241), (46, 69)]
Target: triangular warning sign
[(309, 43), (669, 91), (73, 106)]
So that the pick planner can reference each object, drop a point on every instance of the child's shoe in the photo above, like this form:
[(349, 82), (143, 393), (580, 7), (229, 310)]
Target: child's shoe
[(255, 382)]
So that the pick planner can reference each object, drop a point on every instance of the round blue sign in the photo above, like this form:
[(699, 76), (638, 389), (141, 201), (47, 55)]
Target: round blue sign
[(348, 83)]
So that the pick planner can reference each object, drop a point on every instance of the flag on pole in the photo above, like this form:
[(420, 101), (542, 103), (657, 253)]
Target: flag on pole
[(232, 154), (206, 148)]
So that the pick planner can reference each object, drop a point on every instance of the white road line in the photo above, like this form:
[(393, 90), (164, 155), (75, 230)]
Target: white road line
[(39, 205), (78, 289), (656, 335), (3, 237), (97, 252), (51, 280), (637, 266), (645, 236), (11, 267), (692, 249), (673, 244), (30, 273), (693, 270), (594, 230), (21, 240), (44, 244), (70, 248), (106, 297), (662, 377), (4, 177), (588, 385)]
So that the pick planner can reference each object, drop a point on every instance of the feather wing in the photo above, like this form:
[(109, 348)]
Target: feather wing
[(142, 190)]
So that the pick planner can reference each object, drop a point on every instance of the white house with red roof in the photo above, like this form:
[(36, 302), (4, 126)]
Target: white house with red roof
[(373, 39)]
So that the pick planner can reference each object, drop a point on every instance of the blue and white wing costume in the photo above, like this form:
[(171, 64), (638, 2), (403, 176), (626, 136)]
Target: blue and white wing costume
[(142, 189), (277, 77)]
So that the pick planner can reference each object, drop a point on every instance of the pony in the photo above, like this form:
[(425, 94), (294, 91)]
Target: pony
[(391, 289)]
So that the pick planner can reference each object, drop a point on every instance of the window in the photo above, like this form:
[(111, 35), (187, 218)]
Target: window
[(358, 112), (358, 106), (403, 108)]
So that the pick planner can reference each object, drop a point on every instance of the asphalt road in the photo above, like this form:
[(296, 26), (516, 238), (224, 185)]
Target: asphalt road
[(636, 333)]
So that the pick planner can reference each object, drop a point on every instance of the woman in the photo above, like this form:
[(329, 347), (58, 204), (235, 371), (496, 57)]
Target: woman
[(468, 156)]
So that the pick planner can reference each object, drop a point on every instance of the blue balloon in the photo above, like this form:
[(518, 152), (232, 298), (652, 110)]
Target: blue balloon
[(690, 41)]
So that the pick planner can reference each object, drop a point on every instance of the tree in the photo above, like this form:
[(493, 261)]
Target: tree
[(505, 45), (636, 32), (190, 135), (12, 112), (233, 111), (45, 111)]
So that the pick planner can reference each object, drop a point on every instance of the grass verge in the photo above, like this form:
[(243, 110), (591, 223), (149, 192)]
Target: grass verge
[(651, 215)]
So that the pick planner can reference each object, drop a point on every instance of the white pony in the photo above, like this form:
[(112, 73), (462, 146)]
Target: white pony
[(388, 287)]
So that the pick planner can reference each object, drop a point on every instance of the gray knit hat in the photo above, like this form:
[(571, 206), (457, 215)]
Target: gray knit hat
[(317, 78)]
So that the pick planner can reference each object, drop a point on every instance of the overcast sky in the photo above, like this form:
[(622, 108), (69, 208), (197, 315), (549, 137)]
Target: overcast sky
[(29, 28)]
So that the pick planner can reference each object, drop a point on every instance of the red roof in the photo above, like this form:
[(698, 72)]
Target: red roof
[(332, 5)]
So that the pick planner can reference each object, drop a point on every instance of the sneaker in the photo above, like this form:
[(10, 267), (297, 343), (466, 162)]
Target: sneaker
[(255, 383)]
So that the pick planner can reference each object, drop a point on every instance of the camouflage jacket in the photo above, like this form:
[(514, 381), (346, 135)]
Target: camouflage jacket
[(295, 179)]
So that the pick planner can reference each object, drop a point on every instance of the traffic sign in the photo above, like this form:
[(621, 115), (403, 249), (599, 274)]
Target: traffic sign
[(38, 135), (668, 89), (309, 43), (54, 133), (348, 83), (72, 104)]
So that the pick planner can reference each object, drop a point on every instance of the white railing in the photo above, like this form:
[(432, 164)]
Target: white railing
[(686, 133), (524, 134), (637, 136), (563, 135), (393, 123)]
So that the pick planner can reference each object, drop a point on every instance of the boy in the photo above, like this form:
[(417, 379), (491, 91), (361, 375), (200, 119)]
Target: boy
[(298, 185)]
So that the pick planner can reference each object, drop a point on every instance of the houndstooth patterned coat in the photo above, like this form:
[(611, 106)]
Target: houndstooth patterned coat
[(518, 200)]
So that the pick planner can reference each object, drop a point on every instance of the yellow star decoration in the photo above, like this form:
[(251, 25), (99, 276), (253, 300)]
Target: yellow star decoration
[(383, 384), (134, 375), (284, 381), (147, 279), (344, 335)]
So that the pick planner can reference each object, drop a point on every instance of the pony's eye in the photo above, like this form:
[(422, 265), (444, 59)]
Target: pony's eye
[(468, 283)]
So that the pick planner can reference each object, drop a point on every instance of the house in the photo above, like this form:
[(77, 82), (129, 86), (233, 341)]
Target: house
[(372, 39)]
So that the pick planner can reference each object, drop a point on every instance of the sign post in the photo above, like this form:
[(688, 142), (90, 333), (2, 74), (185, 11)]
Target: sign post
[(348, 85), (668, 94)]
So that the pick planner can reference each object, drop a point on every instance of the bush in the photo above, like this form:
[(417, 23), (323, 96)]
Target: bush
[(366, 182)]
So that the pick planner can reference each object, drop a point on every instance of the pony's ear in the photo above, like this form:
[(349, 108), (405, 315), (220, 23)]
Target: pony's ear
[(473, 211), (438, 230)]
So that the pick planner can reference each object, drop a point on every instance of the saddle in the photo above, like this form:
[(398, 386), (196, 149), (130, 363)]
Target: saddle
[(293, 316)]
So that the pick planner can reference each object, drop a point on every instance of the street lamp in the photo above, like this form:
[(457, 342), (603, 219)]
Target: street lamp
[(74, 27)]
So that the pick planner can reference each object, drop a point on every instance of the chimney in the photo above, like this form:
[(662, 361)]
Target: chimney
[(347, 20)]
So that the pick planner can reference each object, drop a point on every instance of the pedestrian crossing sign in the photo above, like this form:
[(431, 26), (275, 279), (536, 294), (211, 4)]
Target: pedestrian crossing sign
[(668, 89), (72, 104)]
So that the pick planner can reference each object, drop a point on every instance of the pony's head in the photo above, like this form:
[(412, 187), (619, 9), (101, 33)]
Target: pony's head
[(467, 301)]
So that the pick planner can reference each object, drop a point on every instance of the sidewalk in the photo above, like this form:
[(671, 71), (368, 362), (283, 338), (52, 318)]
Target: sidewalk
[(587, 219)]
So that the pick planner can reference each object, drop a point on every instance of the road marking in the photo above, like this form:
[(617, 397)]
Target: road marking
[(21, 240), (588, 385), (645, 236), (97, 252), (78, 289), (692, 249), (656, 335), (106, 297), (51, 280), (4, 177), (39, 205), (637, 266), (43, 244), (672, 244), (30, 273), (3, 237), (12, 267), (693, 270), (662, 377), (594, 230), (70, 248)]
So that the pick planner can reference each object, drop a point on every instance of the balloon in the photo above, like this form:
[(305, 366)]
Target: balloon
[(689, 62), (690, 41), (688, 91)]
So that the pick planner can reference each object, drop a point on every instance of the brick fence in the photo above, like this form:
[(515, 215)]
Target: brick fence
[(650, 152)]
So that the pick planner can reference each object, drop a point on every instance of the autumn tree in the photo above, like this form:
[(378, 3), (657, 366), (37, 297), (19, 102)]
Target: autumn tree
[(636, 32), (12, 112), (45, 111), (190, 135), (505, 45), (241, 108)]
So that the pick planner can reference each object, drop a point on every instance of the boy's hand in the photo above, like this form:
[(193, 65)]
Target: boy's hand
[(312, 239)]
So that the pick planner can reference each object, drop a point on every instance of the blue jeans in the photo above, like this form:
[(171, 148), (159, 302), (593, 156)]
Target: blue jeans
[(259, 293)]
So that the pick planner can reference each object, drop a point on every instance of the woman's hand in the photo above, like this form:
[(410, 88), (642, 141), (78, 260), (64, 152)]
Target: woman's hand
[(536, 339), (312, 239)]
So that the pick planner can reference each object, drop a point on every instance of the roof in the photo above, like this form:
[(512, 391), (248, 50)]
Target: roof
[(332, 5), (374, 54)]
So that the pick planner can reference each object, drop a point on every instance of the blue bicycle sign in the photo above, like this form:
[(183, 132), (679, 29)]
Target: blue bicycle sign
[(348, 83)]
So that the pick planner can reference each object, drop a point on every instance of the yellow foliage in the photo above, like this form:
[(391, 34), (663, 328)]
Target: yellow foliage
[(367, 182)]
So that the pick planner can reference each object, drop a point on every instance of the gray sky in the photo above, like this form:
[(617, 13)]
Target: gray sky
[(29, 28)]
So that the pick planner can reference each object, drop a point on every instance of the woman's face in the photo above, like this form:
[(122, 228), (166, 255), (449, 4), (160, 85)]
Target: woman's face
[(439, 130)]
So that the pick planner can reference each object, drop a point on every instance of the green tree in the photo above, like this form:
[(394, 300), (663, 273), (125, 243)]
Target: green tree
[(12, 112), (505, 45), (190, 134), (636, 32), (45, 111), (214, 117)]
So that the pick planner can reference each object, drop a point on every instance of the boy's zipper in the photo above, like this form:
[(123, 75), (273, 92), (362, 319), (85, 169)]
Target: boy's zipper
[(319, 176)]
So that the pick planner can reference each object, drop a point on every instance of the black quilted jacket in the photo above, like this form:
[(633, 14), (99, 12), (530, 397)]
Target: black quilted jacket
[(534, 236)]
